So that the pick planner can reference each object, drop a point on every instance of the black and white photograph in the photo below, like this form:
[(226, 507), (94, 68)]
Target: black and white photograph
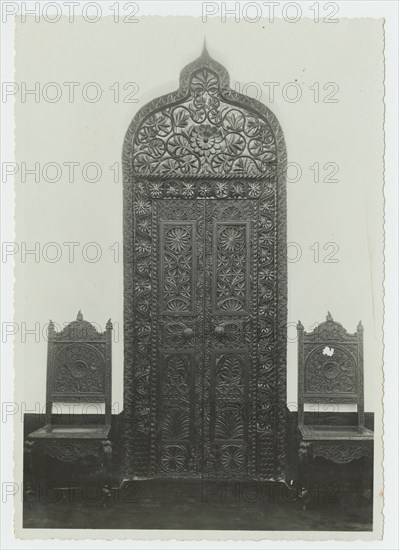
[(199, 263)]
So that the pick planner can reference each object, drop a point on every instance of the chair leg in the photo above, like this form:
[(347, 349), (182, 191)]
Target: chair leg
[(304, 461), (107, 455), (106, 491), (106, 495), (28, 448)]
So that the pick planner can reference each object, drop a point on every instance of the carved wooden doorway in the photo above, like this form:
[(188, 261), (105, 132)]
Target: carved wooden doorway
[(205, 284)]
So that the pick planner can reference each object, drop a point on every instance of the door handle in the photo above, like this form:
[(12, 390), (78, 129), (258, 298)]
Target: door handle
[(219, 331), (188, 333)]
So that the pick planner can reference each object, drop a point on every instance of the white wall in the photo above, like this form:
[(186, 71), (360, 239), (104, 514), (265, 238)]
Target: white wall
[(151, 54)]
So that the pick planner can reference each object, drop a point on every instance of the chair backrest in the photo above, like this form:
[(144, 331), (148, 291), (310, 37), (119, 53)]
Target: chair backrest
[(330, 366), (79, 365)]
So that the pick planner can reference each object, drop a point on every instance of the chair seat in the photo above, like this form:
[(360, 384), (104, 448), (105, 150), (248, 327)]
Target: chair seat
[(82, 431), (329, 432)]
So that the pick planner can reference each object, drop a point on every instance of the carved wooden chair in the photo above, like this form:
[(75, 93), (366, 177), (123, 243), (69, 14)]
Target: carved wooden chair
[(330, 371), (78, 372)]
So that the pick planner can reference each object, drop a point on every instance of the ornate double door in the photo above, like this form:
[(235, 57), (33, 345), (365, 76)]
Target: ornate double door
[(205, 284), (206, 337)]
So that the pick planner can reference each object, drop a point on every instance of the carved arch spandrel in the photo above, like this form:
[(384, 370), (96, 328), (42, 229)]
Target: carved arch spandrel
[(204, 90), (261, 177)]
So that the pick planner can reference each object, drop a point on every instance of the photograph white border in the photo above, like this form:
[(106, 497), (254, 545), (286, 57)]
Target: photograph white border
[(377, 9)]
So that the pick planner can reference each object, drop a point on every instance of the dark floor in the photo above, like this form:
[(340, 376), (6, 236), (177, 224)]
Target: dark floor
[(175, 504), (340, 498)]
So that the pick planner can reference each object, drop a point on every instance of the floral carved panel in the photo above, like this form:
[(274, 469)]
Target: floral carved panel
[(231, 347), (177, 303), (231, 282), (230, 418), (330, 373), (177, 271), (204, 134), (79, 368), (175, 415)]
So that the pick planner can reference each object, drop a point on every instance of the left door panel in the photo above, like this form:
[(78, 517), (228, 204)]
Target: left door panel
[(178, 336)]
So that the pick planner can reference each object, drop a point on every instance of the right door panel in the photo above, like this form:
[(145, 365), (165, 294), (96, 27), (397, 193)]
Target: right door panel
[(230, 323)]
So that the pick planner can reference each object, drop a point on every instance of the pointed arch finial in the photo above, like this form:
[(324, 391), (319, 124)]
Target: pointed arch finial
[(205, 52), (79, 316)]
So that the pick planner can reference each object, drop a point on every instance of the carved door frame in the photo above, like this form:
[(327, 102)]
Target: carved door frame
[(248, 163)]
